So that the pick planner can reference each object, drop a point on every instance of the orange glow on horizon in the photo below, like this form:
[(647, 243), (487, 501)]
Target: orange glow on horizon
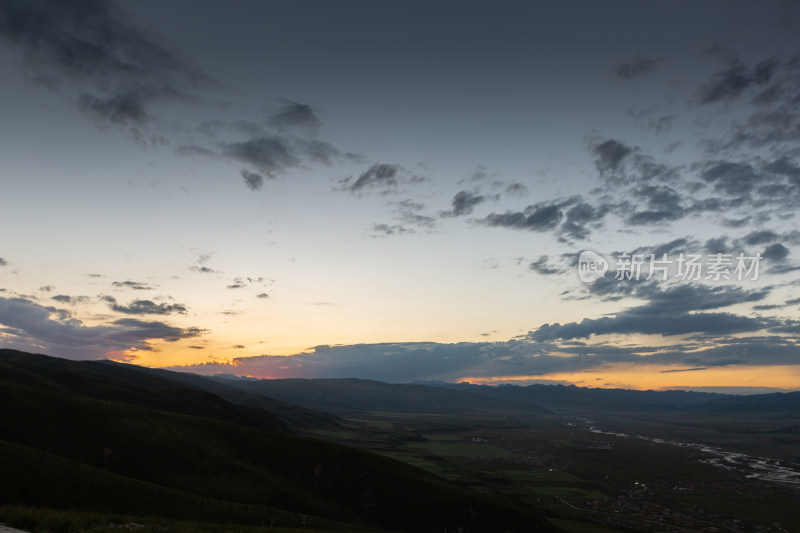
[(653, 377)]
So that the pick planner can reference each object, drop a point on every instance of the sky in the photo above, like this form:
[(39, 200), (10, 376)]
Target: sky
[(577, 192)]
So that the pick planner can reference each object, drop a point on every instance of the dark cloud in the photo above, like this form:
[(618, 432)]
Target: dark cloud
[(775, 120), (730, 83), (760, 237), (672, 311), (463, 203), (663, 204), (731, 178), (295, 115), (717, 245), (135, 285), (534, 218), (393, 229), (582, 217), (784, 166), (253, 180), (242, 282), (685, 370), (119, 69), (630, 323), (410, 214), (271, 155), (775, 252), (120, 109), (637, 68), (154, 330), (201, 267), (407, 362), (542, 266), (610, 155), (3, 262), (262, 295), (145, 307), (380, 176), (516, 189), (33, 327), (391, 362), (71, 300)]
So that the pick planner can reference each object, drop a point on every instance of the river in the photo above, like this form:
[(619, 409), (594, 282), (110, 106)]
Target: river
[(749, 466)]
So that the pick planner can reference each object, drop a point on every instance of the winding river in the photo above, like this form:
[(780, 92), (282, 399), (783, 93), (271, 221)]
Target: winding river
[(749, 466)]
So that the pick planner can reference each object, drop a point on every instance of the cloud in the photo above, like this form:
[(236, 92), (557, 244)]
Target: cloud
[(731, 178), (120, 109), (135, 285), (387, 229), (516, 189), (540, 217), (295, 115), (71, 300), (117, 67), (253, 180), (33, 327), (775, 252), (677, 310), (571, 218), (201, 267), (380, 176), (243, 282), (271, 155), (772, 119), (730, 83), (637, 68), (463, 203), (542, 266), (630, 323), (582, 217), (760, 237), (409, 213), (407, 362), (262, 295), (660, 198), (145, 307), (3, 262), (610, 155)]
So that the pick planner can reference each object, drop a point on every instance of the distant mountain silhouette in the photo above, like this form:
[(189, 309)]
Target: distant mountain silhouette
[(348, 395)]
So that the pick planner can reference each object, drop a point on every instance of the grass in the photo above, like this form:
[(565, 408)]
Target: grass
[(458, 448), (43, 520), (767, 510), (184, 467)]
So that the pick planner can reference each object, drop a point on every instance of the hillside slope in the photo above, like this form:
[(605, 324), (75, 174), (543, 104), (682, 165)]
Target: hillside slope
[(65, 444)]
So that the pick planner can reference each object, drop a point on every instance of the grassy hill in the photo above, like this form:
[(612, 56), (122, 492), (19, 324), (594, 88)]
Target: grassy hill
[(76, 435)]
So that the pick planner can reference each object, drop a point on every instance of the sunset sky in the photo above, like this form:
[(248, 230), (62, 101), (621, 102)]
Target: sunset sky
[(401, 190)]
